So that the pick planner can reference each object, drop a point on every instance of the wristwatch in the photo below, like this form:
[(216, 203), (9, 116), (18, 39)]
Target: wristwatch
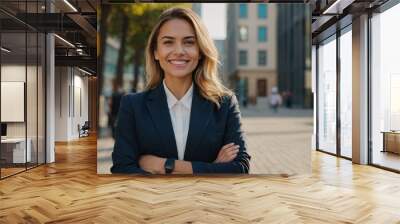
[(169, 165)]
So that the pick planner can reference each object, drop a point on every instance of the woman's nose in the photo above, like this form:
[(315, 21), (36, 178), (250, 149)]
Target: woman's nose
[(179, 49)]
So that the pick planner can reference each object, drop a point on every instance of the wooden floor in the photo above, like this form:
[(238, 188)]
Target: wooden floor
[(387, 159), (70, 191), (10, 171)]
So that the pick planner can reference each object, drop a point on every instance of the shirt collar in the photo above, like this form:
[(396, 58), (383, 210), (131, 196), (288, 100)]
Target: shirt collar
[(186, 100)]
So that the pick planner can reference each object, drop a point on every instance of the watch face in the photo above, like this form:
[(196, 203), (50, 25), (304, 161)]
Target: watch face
[(169, 165)]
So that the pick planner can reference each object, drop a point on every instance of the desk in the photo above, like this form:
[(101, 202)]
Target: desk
[(15, 148), (391, 141)]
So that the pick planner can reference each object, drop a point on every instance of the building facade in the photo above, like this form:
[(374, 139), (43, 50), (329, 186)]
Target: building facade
[(294, 55), (251, 50)]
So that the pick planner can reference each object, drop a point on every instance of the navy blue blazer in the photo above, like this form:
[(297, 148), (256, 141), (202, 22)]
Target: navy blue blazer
[(144, 127)]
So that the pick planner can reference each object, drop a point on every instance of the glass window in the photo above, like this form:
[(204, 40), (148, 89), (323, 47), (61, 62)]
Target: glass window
[(14, 153), (346, 94), (262, 34), (31, 99), (327, 96), (385, 89), (262, 57), (22, 81), (242, 57), (243, 10), (262, 11), (243, 33)]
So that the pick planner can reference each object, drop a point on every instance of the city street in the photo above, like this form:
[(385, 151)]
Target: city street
[(279, 143)]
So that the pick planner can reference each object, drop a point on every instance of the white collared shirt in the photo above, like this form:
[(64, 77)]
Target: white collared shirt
[(179, 111)]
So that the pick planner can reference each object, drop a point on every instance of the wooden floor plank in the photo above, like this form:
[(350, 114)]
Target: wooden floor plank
[(70, 191)]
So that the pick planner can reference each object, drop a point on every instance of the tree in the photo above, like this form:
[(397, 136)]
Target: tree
[(140, 18), (104, 15), (140, 31), (118, 27)]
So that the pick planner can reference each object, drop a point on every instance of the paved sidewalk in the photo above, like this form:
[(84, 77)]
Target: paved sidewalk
[(279, 143), (265, 111)]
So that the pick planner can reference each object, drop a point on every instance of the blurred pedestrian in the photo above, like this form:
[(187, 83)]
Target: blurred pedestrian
[(275, 99), (245, 101)]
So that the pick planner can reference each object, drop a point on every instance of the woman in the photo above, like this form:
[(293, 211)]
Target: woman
[(186, 122)]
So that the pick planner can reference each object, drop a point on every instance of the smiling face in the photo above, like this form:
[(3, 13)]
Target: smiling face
[(177, 49)]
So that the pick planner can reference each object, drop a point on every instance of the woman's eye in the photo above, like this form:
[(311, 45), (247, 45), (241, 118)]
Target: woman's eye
[(189, 42), (168, 42)]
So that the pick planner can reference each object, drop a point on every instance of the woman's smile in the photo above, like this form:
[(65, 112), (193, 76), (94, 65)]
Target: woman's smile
[(177, 49), (179, 64)]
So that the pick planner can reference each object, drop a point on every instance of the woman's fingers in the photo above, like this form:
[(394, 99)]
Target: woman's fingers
[(229, 148), (224, 149), (225, 152), (227, 145), (232, 154), (228, 153)]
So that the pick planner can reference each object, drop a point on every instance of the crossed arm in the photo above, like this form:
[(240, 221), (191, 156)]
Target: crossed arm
[(155, 165), (232, 157)]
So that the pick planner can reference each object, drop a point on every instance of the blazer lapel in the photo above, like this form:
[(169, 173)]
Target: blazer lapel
[(158, 107), (200, 114)]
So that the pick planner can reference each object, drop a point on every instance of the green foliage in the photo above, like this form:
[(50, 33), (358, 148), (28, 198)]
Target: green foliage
[(142, 17)]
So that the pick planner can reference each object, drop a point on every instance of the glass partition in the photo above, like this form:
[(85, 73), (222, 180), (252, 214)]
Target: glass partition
[(14, 151), (31, 97), (22, 89), (346, 93), (327, 95), (385, 89)]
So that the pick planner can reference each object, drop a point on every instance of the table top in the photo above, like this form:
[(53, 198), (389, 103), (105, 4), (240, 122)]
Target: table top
[(13, 140), (391, 132)]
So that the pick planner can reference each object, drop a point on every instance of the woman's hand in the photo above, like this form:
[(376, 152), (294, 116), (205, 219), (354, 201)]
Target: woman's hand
[(152, 164), (227, 153)]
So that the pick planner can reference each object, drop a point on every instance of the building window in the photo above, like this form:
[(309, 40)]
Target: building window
[(262, 11), (262, 57), (243, 33), (243, 10), (242, 57), (262, 34)]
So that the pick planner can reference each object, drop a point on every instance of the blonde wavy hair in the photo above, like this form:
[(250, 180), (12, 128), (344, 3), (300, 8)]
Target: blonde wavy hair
[(205, 75)]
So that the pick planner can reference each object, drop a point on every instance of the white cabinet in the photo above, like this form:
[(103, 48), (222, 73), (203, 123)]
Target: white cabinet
[(18, 149)]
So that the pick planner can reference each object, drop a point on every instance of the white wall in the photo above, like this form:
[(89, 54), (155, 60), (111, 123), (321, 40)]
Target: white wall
[(71, 87), (61, 103)]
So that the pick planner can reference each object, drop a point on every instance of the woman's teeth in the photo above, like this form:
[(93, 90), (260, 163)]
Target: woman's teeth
[(176, 62)]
